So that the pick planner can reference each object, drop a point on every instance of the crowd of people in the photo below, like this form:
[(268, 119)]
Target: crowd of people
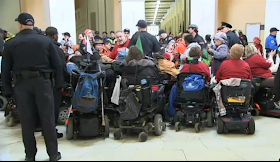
[(227, 53)]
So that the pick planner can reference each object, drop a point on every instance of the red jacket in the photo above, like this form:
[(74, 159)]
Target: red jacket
[(200, 68), (259, 66), (234, 68), (114, 54)]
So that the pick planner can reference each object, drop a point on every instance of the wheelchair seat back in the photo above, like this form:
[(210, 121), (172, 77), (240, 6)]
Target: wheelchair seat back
[(239, 95), (195, 96)]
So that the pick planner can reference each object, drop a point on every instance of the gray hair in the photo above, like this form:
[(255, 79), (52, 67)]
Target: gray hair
[(119, 31), (250, 50), (221, 36)]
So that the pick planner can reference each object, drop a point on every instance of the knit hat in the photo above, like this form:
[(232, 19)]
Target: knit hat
[(221, 36)]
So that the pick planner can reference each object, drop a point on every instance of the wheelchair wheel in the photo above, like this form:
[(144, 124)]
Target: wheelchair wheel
[(210, 118), (220, 126), (143, 137), (107, 126), (10, 120), (178, 116), (118, 134), (3, 103), (158, 125), (63, 114), (251, 126), (256, 112), (197, 127), (70, 129), (177, 126)]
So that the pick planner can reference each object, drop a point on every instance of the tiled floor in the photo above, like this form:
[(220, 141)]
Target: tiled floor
[(184, 146)]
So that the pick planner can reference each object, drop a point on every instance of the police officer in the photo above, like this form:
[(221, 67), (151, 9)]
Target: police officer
[(232, 38), (164, 38), (271, 43), (193, 30), (30, 58)]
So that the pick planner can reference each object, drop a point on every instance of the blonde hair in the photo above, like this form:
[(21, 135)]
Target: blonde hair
[(250, 50), (236, 51)]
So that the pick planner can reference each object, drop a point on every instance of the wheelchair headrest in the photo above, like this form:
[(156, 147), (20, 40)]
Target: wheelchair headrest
[(191, 61)]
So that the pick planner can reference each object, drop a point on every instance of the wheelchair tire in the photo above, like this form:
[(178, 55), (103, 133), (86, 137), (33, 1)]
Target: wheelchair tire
[(4, 102), (197, 127), (63, 114), (220, 126), (158, 125), (210, 118), (118, 134), (143, 137), (70, 129), (107, 127), (10, 120), (251, 126), (177, 126)]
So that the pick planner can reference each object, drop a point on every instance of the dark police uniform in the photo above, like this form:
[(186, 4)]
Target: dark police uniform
[(149, 42), (200, 41), (31, 58), (232, 38)]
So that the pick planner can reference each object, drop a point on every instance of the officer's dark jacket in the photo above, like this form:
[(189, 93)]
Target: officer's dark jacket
[(198, 39), (30, 51), (232, 39), (164, 42)]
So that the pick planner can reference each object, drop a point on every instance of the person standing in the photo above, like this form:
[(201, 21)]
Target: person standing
[(271, 43), (67, 43), (164, 38), (31, 59), (149, 42), (52, 33), (193, 30), (243, 38), (232, 38)]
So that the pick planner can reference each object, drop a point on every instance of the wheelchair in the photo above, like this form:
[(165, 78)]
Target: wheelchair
[(193, 108), (263, 100), (141, 106), (237, 104)]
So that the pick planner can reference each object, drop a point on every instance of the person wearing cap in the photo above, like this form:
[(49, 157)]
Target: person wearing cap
[(149, 42), (52, 33), (30, 59), (271, 43), (232, 38), (193, 30), (127, 33), (164, 38), (67, 43)]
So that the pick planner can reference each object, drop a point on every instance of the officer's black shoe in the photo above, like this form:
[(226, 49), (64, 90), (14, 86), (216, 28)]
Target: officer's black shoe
[(29, 159), (59, 135), (56, 158)]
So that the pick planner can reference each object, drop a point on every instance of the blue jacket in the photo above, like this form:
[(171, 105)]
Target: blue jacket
[(271, 43)]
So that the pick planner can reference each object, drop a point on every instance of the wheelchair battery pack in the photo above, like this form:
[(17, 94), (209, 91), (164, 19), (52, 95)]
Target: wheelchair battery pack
[(240, 94), (89, 125)]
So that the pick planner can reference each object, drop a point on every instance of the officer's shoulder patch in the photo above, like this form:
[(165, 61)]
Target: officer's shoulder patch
[(272, 41)]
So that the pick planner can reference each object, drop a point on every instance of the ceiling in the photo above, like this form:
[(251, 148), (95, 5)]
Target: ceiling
[(150, 8)]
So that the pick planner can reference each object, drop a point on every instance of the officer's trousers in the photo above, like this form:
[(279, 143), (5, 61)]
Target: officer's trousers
[(57, 94), (32, 96)]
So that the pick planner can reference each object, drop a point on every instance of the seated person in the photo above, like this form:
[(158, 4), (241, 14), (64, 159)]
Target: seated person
[(200, 68), (106, 49), (221, 52), (234, 67), (190, 43), (259, 65), (137, 62)]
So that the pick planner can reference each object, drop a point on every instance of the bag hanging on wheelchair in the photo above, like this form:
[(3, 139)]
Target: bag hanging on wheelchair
[(193, 83)]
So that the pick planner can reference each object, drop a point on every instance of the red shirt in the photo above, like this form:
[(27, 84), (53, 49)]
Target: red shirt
[(259, 66), (259, 47), (200, 68), (234, 68), (114, 54)]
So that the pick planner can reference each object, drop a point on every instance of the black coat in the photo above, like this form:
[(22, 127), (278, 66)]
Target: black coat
[(276, 88), (232, 39)]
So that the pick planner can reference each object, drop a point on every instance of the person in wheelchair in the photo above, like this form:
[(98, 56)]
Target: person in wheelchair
[(196, 66), (259, 65), (234, 67), (136, 63)]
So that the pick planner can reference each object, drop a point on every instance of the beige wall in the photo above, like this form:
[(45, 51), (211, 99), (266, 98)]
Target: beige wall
[(9, 10), (240, 12), (176, 17), (38, 9)]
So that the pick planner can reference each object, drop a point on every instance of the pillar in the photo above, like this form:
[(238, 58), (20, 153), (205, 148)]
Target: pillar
[(59, 14), (132, 11), (203, 13)]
